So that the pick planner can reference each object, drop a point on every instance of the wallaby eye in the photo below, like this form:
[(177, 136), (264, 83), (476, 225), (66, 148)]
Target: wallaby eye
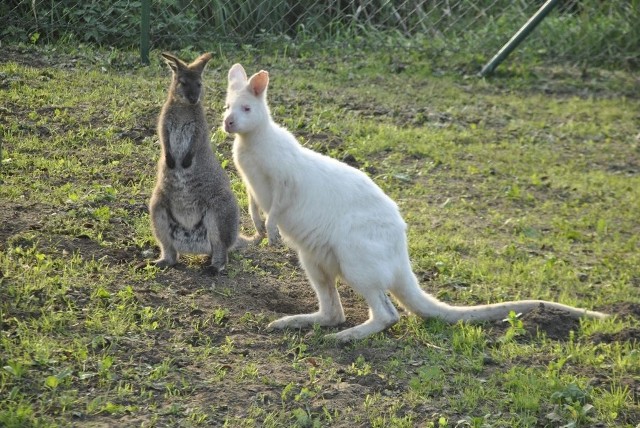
[(246, 109)]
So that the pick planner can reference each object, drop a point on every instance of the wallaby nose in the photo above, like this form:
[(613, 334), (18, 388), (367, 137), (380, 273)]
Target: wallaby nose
[(228, 123)]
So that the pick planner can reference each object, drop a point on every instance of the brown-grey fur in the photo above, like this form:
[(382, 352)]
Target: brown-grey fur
[(193, 209)]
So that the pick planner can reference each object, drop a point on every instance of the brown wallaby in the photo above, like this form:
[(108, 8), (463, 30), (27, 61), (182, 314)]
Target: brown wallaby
[(193, 209)]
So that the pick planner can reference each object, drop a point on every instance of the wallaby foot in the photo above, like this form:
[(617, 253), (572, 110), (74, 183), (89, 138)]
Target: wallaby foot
[(163, 263), (160, 263), (213, 270), (306, 320), (359, 332), (218, 261)]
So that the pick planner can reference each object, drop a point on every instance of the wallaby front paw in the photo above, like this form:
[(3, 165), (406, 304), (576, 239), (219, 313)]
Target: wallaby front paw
[(274, 241), (273, 236), (261, 227)]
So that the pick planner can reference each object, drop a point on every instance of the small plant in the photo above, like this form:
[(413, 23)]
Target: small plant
[(228, 346), (516, 327), (220, 316), (161, 370), (360, 367), (302, 417), (16, 368), (572, 407), (468, 339), (428, 382), (102, 214), (53, 381), (198, 417), (442, 422), (249, 371), (104, 367)]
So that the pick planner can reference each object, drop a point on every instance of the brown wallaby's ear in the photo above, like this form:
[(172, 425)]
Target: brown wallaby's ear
[(237, 73), (200, 62), (259, 82), (173, 62)]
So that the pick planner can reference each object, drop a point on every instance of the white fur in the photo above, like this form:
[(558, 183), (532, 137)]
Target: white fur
[(341, 224)]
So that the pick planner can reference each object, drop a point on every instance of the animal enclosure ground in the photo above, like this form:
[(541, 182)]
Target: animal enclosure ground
[(526, 185)]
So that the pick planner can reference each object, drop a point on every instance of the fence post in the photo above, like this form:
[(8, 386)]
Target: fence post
[(522, 34), (145, 18)]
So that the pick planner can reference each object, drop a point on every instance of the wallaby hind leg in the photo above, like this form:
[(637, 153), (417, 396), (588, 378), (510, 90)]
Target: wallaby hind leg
[(382, 315), (219, 259), (219, 250), (372, 284), (330, 310), (162, 232)]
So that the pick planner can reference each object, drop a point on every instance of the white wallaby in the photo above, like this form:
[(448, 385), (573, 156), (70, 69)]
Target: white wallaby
[(338, 220)]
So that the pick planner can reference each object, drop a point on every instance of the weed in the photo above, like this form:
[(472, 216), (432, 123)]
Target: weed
[(516, 327), (360, 367), (428, 382), (468, 339), (572, 406)]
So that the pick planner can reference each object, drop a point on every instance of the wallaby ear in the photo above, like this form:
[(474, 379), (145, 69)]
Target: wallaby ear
[(200, 62), (259, 82), (237, 73), (173, 62)]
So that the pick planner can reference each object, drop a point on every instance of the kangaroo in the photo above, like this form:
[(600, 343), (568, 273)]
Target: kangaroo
[(342, 225), (192, 208)]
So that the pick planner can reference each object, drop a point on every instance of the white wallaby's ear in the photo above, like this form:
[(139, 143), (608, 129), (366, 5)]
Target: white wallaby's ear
[(259, 82), (237, 73)]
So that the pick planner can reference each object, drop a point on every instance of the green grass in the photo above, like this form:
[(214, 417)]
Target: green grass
[(526, 185)]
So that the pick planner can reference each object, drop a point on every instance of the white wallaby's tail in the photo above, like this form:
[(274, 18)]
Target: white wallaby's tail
[(419, 302)]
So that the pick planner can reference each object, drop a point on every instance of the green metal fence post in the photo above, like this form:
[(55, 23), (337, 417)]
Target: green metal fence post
[(145, 18), (518, 37)]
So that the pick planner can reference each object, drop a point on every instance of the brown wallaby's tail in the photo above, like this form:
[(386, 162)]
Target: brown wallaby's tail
[(246, 241)]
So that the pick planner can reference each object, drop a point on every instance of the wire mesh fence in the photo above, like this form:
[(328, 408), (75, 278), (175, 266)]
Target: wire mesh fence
[(586, 32)]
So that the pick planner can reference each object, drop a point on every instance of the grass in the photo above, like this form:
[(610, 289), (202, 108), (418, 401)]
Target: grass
[(522, 186)]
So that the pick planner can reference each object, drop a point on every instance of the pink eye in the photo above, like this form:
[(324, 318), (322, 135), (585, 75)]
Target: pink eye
[(246, 108)]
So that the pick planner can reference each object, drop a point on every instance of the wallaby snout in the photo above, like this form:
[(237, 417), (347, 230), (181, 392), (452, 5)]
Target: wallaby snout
[(193, 98), (229, 123)]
